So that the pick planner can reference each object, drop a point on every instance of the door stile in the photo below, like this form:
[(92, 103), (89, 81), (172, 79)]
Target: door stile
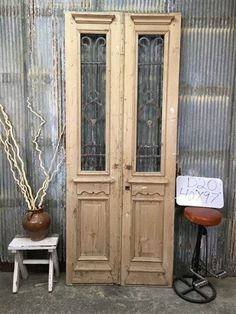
[(71, 141), (128, 136), (171, 137), (116, 127)]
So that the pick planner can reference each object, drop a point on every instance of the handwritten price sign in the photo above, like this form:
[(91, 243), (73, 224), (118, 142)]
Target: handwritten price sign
[(199, 191)]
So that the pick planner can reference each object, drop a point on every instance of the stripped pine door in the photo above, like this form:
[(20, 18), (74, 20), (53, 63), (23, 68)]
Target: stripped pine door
[(122, 91), (150, 123), (94, 87)]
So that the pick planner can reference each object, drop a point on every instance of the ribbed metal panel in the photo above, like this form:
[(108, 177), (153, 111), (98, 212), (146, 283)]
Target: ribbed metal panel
[(207, 78), (11, 95), (231, 214), (145, 6), (32, 65)]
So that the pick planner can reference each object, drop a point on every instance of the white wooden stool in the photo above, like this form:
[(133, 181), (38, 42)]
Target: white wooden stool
[(21, 243)]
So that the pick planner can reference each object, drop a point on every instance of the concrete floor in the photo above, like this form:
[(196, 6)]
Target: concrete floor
[(34, 298)]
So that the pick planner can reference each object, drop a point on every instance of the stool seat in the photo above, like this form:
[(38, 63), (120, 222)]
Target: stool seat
[(203, 216)]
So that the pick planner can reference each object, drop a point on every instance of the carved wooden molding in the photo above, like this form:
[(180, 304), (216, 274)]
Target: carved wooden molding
[(147, 194), (86, 193), (93, 18), (152, 19)]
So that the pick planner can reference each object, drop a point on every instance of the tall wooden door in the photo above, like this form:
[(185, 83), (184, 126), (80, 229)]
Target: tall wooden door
[(122, 90)]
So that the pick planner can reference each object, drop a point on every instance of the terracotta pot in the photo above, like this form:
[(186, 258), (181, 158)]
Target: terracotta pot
[(36, 224)]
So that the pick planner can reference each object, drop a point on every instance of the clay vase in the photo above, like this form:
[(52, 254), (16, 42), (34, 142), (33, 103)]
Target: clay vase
[(36, 224)]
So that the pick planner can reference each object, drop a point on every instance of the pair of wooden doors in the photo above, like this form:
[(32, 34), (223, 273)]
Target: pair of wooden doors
[(122, 90)]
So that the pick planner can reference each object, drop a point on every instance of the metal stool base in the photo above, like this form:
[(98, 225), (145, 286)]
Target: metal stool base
[(185, 289)]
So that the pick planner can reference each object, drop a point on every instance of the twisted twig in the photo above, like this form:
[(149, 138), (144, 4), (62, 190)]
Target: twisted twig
[(48, 177), (12, 151), (35, 139), (16, 154), (13, 164)]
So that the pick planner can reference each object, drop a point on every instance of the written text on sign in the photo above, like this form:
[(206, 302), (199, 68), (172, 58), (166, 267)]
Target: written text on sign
[(199, 191)]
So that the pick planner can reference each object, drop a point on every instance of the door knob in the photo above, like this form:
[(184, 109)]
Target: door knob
[(127, 188)]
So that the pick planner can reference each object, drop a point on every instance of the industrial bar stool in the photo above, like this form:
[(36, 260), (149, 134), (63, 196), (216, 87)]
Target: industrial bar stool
[(196, 288)]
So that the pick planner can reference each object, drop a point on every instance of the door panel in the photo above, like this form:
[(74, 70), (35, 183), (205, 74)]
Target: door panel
[(93, 216), (93, 55), (150, 111), (147, 239), (122, 90)]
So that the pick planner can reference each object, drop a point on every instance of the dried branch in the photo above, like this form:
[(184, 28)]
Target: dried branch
[(35, 139), (13, 154), (48, 177), (12, 165), (46, 182), (9, 149), (12, 151)]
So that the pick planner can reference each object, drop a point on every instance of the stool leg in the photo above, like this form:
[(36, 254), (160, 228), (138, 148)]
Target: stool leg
[(50, 274), (197, 249), (16, 276), (55, 262), (196, 260), (22, 267)]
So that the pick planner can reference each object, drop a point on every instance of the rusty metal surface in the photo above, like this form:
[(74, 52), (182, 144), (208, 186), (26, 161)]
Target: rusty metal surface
[(32, 65)]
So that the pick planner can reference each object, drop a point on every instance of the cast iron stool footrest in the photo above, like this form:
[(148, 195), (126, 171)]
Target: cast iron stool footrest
[(220, 275), (200, 283), (184, 287)]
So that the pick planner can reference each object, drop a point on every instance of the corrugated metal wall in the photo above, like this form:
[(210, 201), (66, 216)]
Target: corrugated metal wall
[(32, 65), (206, 141)]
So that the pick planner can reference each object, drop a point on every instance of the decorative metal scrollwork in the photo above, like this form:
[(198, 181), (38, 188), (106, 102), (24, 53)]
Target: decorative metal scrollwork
[(149, 106), (93, 95)]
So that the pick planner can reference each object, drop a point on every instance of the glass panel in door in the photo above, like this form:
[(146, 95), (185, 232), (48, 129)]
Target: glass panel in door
[(149, 102), (93, 95)]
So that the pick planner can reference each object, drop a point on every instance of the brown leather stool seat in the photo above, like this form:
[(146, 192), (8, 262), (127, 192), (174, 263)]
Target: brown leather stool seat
[(203, 216)]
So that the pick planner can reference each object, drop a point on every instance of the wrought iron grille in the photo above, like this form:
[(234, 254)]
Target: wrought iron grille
[(149, 102), (93, 95)]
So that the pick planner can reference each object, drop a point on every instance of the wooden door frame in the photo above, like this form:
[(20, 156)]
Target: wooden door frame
[(90, 185), (160, 184), (124, 103)]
